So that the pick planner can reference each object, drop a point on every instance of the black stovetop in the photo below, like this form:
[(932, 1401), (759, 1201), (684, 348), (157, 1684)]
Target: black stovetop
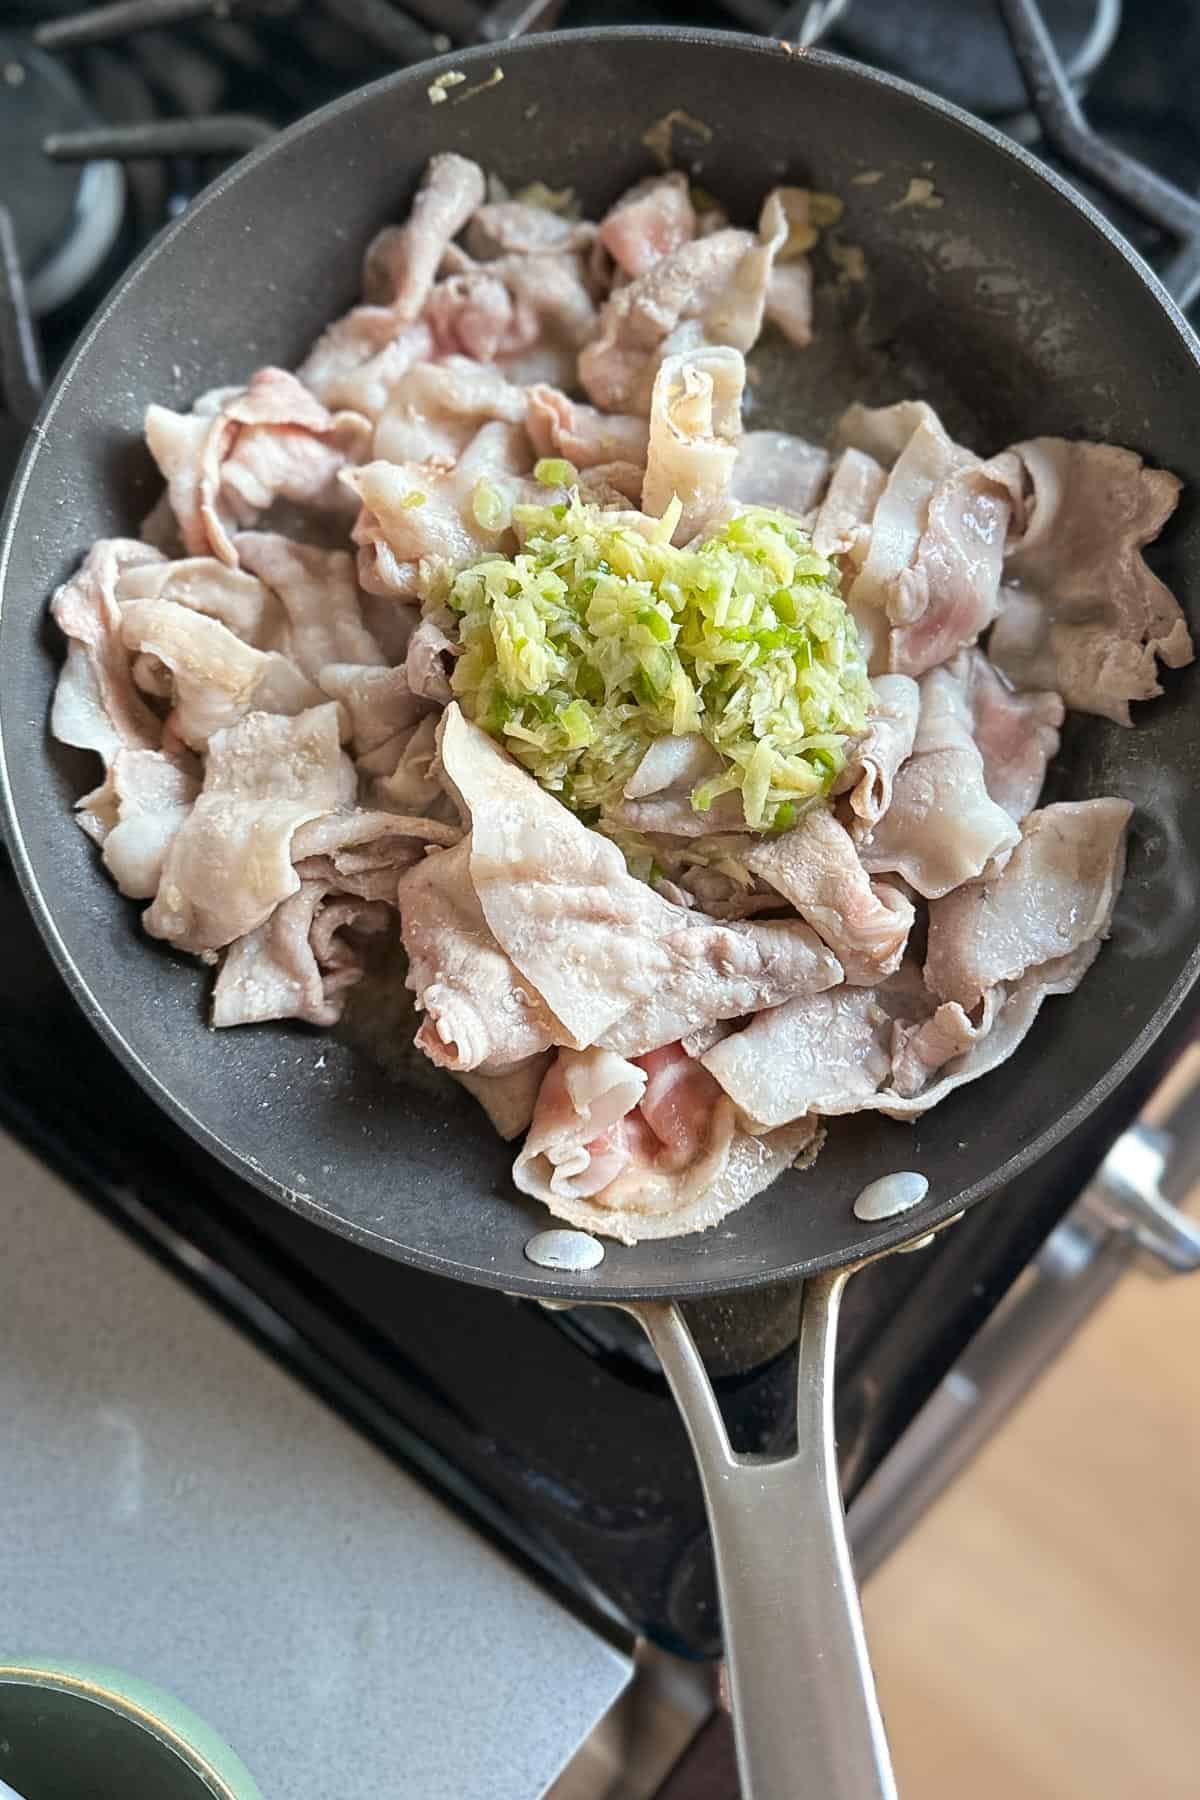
[(553, 1430)]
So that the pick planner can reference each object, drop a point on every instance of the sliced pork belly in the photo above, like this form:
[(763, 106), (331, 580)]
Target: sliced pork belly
[(922, 1048), (1084, 614), (816, 866), (507, 308), (378, 702), (658, 795), (517, 228), (401, 264), (573, 1148), (216, 679), (617, 367), (401, 771), (637, 1207), (230, 864), (822, 1053), (320, 597), (1055, 894), (778, 470), (616, 964), (695, 430), (1007, 1026), (435, 410), (875, 760), (1017, 733), (671, 1161), (478, 1012), (508, 1096), (396, 529), (842, 525), (933, 564), (430, 658), (96, 705), (358, 362), (146, 799), (651, 220), (942, 826), (884, 432), (584, 435), (240, 449), (299, 964), (239, 600), (363, 853)]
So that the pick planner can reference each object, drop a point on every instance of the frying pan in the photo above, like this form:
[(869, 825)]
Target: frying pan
[(1004, 299)]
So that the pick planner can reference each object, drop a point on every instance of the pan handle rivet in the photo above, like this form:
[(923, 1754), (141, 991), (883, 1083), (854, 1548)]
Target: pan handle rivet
[(572, 1250)]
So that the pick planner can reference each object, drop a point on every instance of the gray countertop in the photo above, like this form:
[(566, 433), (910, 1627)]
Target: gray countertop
[(175, 1505)]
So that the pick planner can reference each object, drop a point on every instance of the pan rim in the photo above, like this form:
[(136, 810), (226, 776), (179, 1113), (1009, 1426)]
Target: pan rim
[(536, 1283)]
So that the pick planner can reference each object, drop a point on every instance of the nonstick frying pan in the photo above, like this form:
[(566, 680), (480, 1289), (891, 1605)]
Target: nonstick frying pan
[(1001, 297)]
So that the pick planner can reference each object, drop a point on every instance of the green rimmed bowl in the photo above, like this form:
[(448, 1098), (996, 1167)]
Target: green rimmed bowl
[(69, 1730)]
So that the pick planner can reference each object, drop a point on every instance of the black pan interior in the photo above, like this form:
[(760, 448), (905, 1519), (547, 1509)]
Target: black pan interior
[(1012, 308)]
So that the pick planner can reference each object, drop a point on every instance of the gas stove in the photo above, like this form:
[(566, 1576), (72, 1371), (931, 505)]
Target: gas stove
[(553, 1431)]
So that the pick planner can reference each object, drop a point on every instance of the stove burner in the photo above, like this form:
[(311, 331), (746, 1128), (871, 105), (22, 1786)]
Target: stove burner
[(961, 48), (66, 221)]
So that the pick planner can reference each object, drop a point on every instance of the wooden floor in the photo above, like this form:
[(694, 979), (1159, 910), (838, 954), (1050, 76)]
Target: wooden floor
[(1039, 1637)]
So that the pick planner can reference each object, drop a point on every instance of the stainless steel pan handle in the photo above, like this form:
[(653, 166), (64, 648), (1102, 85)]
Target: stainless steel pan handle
[(805, 1712)]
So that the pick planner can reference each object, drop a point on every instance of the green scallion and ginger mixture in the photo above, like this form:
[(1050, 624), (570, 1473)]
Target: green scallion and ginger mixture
[(600, 636)]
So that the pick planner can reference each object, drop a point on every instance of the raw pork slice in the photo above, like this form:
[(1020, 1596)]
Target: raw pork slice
[(1055, 894), (1083, 613), (616, 964)]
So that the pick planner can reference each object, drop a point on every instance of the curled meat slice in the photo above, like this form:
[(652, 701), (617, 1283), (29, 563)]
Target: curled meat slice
[(240, 449), (96, 705), (510, 307), (672, 1161), (617, 366), (216, 679), (695, 429), (1055, 894), (402, 260), (378, 702), (320, 598), (435, 410), (364, 853), (641, 1204), (230, 863), (816, 866), (299, 964), (135, 815), (1084, 614), (651, 220), (922, 1048), (572, 1149), (478, 1012), (236, 598), (933, 562), (358, 362), (430, 658), (942, 826), (615, 963), (559, 426), (423, 510), (875, 760), (518, 228), (401, 770)]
